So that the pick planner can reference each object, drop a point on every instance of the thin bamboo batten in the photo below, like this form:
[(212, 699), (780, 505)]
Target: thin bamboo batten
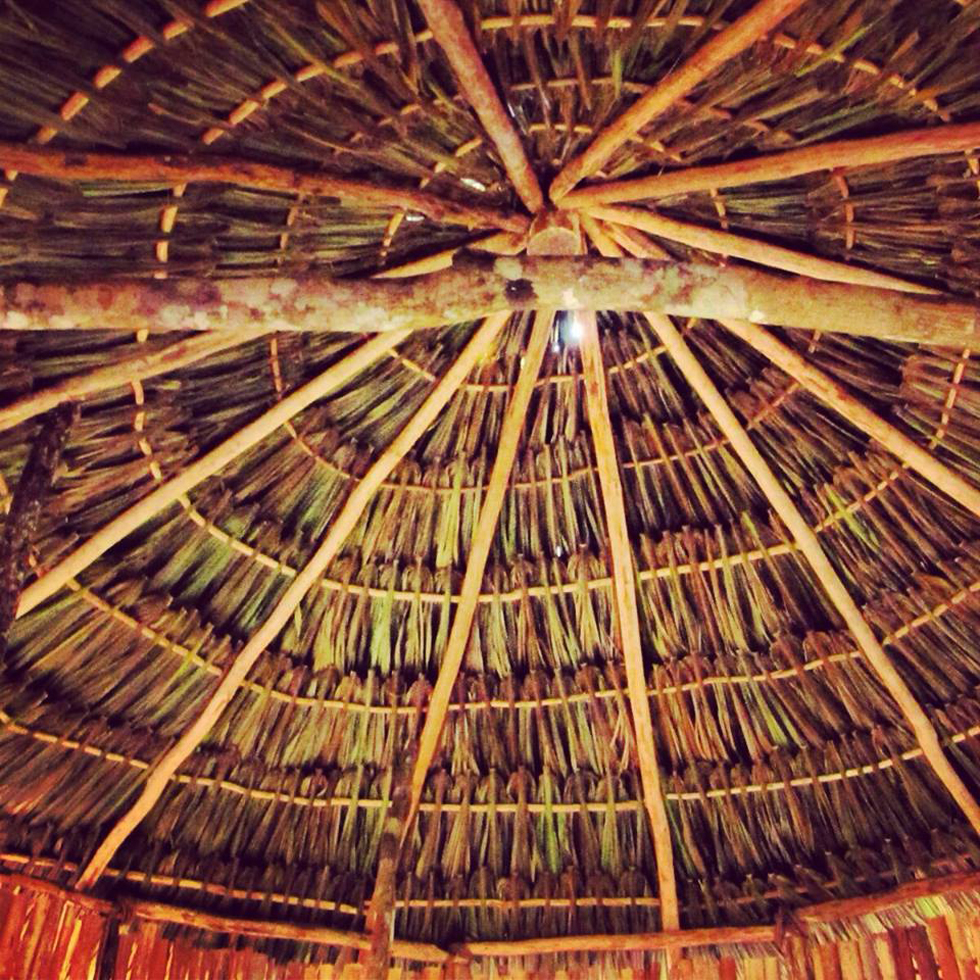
[(731, 41), (832, 155), (158, 777)]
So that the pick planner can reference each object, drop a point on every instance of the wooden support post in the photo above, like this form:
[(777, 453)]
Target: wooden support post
[(830, 155), (452, 35), (20, 527), (158, 775), (42, 161), (733, 40)]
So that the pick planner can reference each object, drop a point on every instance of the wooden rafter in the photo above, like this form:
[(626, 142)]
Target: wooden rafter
[(178, 170), (459, 635), (754, 463), (830, 155), (835, 395), (453, 36), (500, 243), (624, 591), (752, 250), (135, 367), (479, 285), (733, 40), (158, 775), (55, 578)]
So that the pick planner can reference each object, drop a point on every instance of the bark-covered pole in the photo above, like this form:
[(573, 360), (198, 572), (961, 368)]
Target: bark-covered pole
[(32, 491)]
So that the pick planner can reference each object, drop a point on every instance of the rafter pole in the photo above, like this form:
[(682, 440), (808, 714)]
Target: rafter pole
[(750, 249), (135, 367), (453, 36), (158, 775), (624, 590), (754, 463), (210, 463), (500, 243), (43, 161), (732, 41), (831, 155), (478, 285), (835, 395)]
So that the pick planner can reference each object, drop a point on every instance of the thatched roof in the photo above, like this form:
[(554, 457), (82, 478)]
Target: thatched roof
[(340, 612)]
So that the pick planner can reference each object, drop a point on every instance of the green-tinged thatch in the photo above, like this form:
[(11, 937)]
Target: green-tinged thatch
[(790, 775)]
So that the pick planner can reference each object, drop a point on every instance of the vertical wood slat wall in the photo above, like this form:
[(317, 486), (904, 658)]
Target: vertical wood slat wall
[(45, 936)]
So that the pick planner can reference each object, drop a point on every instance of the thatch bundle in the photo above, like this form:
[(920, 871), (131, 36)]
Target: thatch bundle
[(628, 625)]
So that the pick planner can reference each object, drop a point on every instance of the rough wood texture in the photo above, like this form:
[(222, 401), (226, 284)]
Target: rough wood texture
[(136, 367), (178, 170), (833, 585), (627, 618), (735, 246), (453, 36), (831, 155), (748, 29), (157, 777), (20, 526), (857, 413), (479, 285), (209, 464)]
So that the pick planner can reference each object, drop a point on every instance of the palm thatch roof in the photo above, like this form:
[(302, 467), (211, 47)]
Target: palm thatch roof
[(490, 484)]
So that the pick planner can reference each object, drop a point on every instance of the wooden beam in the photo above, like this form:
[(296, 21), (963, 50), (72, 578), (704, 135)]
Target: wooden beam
[(732, 41), (479, 285), (157, 777), (20, 528), (831, 155), (210, 463), (136, 367), (754, 463), (500, 243), (452, 35), (752, 250), (627, 618), (857, 413), (171, 169)]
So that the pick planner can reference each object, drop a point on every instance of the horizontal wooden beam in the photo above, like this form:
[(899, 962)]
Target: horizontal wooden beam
[(168, 169), (831, 155), (479, 285)]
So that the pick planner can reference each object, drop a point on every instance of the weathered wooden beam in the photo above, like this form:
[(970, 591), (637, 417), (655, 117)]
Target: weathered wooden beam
[(171, 169), (830, 155), (210, 463), (20, 527), (452, 35), (500, 243), (157, 777), (627, 618), (136, 367), (752, 250), (479, 285), (732, 41), (835, 395), (825, 573)]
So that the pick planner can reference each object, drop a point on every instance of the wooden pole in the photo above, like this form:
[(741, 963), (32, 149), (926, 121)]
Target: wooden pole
[(480, 284), (135, 367), (732, 41), (831, 155), (210, 463), (735, 246), (168, 169), (20, 527), (857, 413), (500, 243), (624, 592), (158, 775), (452, 35), (825, 573)]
